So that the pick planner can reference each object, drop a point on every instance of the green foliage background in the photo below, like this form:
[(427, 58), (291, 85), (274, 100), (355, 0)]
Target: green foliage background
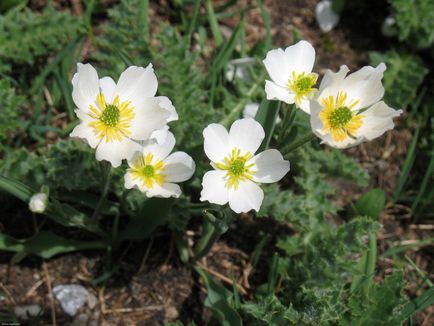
[(321, 273)]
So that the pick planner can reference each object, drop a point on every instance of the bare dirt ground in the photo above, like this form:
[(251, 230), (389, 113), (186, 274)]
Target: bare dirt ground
[(158, 288)]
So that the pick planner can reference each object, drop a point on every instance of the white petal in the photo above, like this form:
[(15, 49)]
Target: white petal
[(214, 188), (160, 151), (165, 191), (179, 167), (216, 142), (325, 16), (107, 86), (277, 66), (365, 85), (116, 151), (246, 197), (250, 110), (136, 83), (305, 105), (129, 182), (247, 135), (85, 86), (276, 92), (301, 57), (83, 130), (333, 78), (150, 116), (378, 119), (270, 166), (165, 103), (160, 135)]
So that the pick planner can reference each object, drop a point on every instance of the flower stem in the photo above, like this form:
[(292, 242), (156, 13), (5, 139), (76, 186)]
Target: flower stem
[(299, 142), (106, 176), (288, 119), (213, 228)]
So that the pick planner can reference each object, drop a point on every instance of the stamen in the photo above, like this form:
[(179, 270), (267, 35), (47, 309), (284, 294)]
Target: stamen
[(148, 172), (236, 167), (302, 85), (338, 117), (112, 121)]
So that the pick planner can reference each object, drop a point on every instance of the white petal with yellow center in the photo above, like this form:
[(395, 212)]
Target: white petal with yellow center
[(236, 167), (154, 172), (291, 75), (347, 110), (114, 118)]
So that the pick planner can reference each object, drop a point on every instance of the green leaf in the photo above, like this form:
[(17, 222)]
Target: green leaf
[(266, 116), (218, 301), (46, 244), (382, 305), (153, 213), (58, 212), (370, 204), (415, 21), (422, 302)]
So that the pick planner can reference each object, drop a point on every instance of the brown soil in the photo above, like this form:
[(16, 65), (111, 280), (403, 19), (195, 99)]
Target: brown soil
[(165, 290)]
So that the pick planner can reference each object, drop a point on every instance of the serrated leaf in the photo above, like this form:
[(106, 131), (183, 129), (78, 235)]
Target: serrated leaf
[(217, 301), (415, 21), (370, 204)]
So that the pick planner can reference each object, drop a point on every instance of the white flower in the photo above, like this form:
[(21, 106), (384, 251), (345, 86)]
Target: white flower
[(348, 109), (325, 16), (155, 172), (38, 202), (237, 169), (291, 74), (250, 110), (115, 116), (238, 68)]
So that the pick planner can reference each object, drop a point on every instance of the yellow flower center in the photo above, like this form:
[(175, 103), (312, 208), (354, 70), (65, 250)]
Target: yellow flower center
[(148, 171), (338, 117), (112, 120), (237, 168), (302, 85)]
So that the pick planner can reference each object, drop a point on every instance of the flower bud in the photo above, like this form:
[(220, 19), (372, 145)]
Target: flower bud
[(38, 202)]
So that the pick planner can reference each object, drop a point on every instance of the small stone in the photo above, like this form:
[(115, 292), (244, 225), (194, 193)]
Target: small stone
[(171, 313), (24, 312), (92, 301), (71, 297)]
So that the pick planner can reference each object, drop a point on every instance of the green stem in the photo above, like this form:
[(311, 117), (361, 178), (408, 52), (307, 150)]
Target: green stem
[(213, 228), (206, 243), (288, 119), (115, 229), (299, 142), (106, 176), (236, 111)]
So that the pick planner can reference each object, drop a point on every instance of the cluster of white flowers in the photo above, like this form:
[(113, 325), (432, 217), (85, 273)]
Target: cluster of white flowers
[(345, 110), (125, 120)]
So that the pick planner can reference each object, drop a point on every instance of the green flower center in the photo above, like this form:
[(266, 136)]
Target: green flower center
[(237, 167), (148, 171), (340, 117), (304, 84), (110, 116)]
